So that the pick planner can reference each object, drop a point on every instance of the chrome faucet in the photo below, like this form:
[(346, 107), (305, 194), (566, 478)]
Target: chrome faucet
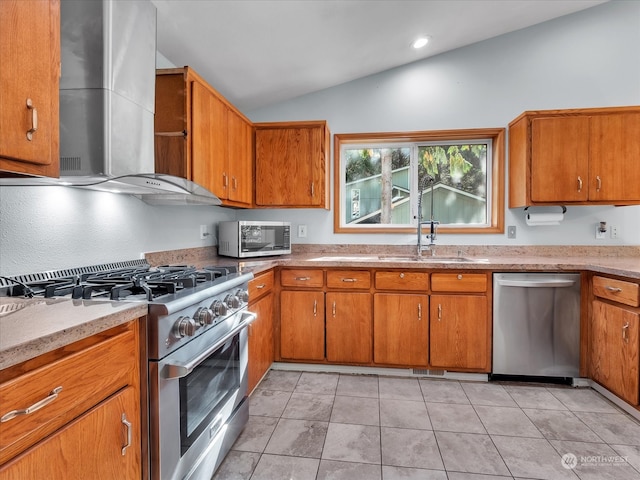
[(433, 224)]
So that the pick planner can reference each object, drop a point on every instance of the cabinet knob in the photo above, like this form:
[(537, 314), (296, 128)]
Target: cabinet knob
[(459, 277), (34, 119), (402, 275)]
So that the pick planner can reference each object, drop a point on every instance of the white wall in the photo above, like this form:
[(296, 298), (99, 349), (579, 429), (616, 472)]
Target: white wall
[(588, 59)]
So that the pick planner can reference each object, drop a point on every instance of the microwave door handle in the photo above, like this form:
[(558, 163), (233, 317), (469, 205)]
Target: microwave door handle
[(182, 369)]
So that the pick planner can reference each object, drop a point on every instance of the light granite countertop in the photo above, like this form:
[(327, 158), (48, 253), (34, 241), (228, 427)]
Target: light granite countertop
[(32, 326)]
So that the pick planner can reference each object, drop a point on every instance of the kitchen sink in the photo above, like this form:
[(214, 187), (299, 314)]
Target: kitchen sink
[(430, 259), (346, 258)]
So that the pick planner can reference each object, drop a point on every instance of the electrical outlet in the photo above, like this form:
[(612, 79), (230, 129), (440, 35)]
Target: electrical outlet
[(302, 231), (204, 232), (511, 231), (614, 231)]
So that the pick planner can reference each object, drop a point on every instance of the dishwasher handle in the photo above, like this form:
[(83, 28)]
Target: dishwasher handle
[(551, 282)]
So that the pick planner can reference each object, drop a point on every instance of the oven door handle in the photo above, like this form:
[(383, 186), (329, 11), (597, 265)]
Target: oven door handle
[(182, 369)]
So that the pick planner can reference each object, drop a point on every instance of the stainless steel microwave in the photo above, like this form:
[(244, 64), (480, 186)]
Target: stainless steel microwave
[(241, 239)]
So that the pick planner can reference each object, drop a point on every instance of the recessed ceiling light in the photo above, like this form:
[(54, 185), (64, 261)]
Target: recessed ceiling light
[(420, 42)]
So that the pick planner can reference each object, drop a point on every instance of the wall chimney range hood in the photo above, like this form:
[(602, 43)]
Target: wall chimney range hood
[(107, 103)]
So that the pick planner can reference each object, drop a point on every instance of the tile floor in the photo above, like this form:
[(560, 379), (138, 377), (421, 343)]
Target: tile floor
[(335, 426)]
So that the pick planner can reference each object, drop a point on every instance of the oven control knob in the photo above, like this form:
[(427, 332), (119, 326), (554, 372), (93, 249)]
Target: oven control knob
[(243, 295), (185, 327), (218, 308), (203, 316), (232, 301)]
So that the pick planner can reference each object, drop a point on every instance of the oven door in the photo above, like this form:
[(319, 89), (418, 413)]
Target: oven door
[(194, 393)]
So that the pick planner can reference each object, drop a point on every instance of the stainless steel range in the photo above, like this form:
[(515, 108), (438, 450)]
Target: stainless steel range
[(196, 348)]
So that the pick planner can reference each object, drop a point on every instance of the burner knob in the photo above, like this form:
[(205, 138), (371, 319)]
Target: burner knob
[(203, 316), (185, 327), (232, 301), (243, 295), (219, 309)]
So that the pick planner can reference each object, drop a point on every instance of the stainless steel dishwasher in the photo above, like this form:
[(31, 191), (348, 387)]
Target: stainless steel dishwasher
[(536, 326)]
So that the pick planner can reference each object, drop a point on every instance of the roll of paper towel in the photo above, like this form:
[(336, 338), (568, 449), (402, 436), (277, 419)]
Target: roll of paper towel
[(537, 219)]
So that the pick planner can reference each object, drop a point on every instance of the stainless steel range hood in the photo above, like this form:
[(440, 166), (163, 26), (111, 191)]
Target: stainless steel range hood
[(107, 102)]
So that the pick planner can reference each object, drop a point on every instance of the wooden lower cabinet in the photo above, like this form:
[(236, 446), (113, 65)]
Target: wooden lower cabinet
[(459, 332), (615, 350), (302, 325), (401, 329), (99, 444), (260, 340), (348, 327)]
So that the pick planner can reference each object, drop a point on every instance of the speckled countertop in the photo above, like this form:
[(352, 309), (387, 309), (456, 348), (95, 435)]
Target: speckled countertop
[(32, 326)]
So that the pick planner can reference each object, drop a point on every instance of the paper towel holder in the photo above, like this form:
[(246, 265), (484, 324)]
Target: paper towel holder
[(564, 209), (544, 218)]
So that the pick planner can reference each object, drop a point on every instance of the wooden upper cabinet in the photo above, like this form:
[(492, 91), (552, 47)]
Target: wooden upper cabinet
[(580, 157), (292, 164), (29, 84), (202, 137)]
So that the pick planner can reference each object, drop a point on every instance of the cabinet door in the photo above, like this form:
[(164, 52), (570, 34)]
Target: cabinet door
[(348, 327), (240, 159), (209, 148), (401, 329), (615, 350), (30, 74), (614, 151), (459, 332), (260, 340), (90, 447), (559, 159), (290, 167), (302, 325)]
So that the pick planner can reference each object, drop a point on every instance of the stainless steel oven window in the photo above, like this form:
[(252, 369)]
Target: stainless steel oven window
[(207, 389)]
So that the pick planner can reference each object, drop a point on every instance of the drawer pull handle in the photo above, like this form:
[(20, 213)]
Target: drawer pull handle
[(260, 287), (315, 308), (625, 333), (302, 279), (235, 183), (34, 119), (419, 311), (127, 424), (313, 191), (439, 312), (613, 289), (599, 183), (352, 280), (334, 309), (579, 184), (33, 408)]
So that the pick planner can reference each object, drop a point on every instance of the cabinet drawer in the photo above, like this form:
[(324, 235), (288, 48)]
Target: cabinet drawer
[(301, 278), (260, 285), (86, 377), (620, 291), (403, 281), (348, 279), (459, 282)]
